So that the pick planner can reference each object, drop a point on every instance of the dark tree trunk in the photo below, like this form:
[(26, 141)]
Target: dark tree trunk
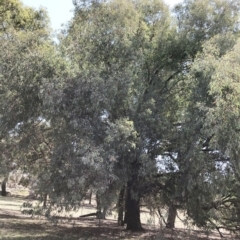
[(125, 208), (104, 212), (4, 192), (45, 200), (172, 213), (132, 209), (100, 214), (90, 198), (121, 207), (98, 205)]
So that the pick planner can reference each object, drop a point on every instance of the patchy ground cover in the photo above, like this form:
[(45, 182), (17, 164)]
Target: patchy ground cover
[(16, 226)]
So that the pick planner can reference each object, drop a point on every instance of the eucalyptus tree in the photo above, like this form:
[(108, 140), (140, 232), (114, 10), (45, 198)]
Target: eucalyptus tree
[(187, 148), (132, 66), (219, 117), (13, 14), (122, 101), (205, 182), (28, 59), (129, 82), (198, 21), (207, 165)]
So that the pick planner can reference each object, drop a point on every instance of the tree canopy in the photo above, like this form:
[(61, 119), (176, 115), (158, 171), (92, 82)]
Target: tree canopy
[(133, 98)]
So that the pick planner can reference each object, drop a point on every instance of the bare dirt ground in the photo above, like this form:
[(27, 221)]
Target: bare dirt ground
[(16, 226)]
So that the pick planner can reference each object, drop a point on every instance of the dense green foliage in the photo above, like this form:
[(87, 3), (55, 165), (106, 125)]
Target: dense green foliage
[(132, 98), (14, 15)]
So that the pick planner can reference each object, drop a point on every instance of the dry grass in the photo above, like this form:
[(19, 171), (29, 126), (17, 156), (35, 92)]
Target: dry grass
[(16, 226)]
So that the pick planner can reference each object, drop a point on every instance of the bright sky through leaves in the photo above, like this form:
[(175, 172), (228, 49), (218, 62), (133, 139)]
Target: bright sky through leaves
[(60, 11)]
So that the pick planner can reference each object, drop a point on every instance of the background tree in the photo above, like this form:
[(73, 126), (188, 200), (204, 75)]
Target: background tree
[(13, 14), (28, 59), (208, 165), (221, 124), (188, 148)]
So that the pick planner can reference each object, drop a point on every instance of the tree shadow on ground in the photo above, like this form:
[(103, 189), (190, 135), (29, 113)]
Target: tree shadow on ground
[(7, 216), (90, 228), (194, 235), (24, 226), (16, 226), (35, 238), (12, 198)]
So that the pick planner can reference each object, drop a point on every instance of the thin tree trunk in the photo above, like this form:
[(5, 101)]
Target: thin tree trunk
[(101, 210), (133, 209), (90, 198), (121, 207), (172, 213), (104, 212), (4, 191), (125, 207), (98, 205), (45, 200)]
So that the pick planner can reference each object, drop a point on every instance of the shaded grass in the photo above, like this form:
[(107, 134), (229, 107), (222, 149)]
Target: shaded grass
[(16, 226), (35, 229), (12, 228)]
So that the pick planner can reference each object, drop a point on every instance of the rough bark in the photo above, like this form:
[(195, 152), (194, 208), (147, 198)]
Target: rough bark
[(4, 192), (172, 213), (133, 209), (121, 207)]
